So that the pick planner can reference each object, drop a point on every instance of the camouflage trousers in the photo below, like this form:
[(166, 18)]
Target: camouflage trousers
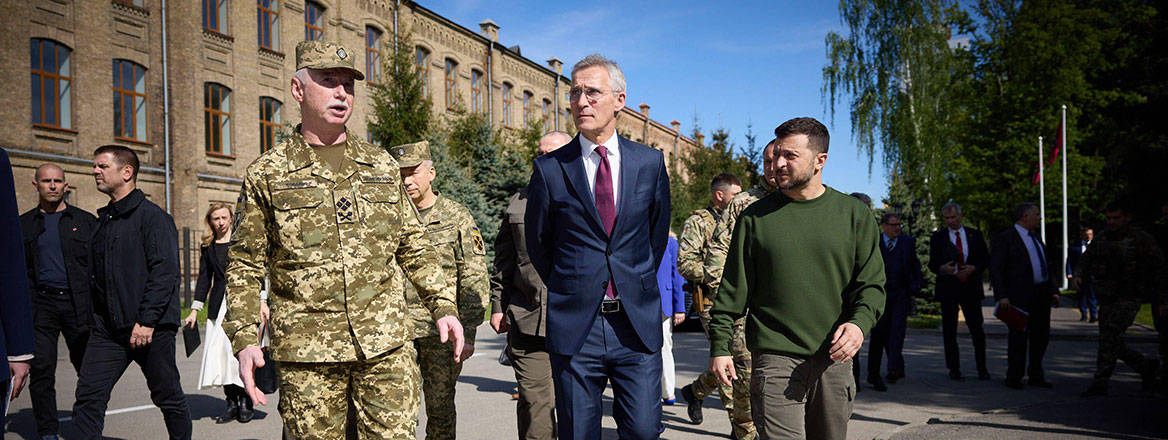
[(314, 397), (736, 398), (439, 375), (1114, 318)]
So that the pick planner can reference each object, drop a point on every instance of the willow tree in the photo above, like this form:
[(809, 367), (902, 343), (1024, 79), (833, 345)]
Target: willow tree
[(905, 78)]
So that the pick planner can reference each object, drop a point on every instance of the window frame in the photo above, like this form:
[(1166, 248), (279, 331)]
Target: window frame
[(58, 83), (210, 113), (221, 15), (313, 31), (272, 24), (450, 74), (507, 87), (269, 107), (547, 113), (528, 112), (122, 94), (476, 94), (373, 55), (422, 60)]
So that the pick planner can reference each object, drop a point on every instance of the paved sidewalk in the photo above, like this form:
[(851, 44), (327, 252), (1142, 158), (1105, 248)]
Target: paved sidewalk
[(924, 405)]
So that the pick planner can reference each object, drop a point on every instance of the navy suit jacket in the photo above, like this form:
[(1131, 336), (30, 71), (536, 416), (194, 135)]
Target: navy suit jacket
[(576, 258), (902, 268), (15, 300), (1010, 273), (942, 251)]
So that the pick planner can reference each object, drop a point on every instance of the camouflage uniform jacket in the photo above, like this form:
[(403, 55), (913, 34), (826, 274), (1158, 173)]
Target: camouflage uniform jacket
[(1124, 265), (328, 241), (720, 241), (694, 244), (463, 255)]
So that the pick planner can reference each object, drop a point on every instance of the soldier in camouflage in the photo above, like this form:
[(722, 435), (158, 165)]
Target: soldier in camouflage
[(325, 217), (462, 253), (693, 245), (715, 260), (1125, 267)]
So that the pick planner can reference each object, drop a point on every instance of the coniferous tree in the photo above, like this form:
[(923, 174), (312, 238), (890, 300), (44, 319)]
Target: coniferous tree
[(401, 110)]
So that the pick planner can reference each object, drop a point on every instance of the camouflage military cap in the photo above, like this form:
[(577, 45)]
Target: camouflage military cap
[(411, 155), (324, 55)]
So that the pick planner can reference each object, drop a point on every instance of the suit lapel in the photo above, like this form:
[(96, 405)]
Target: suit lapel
[(627, 181), (573, 167)]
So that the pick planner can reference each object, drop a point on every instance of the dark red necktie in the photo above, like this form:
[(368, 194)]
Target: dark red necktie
[(604, 202), (960, 250)]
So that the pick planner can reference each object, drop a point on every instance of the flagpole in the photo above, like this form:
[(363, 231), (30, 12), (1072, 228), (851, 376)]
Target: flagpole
[(1041, 194), (1063, 149)]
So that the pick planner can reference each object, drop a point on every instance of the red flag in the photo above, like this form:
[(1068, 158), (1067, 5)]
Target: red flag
[(1058, 143)]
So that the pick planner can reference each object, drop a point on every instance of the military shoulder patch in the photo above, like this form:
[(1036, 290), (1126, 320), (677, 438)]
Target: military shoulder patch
[(477, 238), (240, 204)]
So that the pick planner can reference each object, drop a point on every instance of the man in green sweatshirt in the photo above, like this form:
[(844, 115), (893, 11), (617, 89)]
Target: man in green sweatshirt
[(805, 261)]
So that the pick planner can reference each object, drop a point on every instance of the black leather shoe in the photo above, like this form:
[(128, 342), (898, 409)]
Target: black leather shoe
[(1093, 319), (1151, 366), (983, 375), (1096, 389), (877, 383), (894, 376), (694, 406), (230, 414), (1015, 384), (1041, 383), (956, 375), (245, 410)]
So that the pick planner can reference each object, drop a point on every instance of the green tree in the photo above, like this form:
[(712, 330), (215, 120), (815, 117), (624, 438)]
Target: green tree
[(401, 111), (701, 165)]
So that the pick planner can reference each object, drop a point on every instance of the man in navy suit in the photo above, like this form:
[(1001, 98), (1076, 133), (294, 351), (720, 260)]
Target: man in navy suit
[(15, 304), (958, 255), (902, 273), (1088, 305), (597, 223)]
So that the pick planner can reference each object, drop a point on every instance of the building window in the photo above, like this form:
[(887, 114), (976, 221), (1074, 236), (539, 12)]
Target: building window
[(217, 121), (313, 21), (528, 111), (129, 100), (422, 57), (507, 104), (269, 122), (268, 24), (476, 95), (547, 116), (450, 74), (215, 15), (372, 54), (138, 3), (51, 83)]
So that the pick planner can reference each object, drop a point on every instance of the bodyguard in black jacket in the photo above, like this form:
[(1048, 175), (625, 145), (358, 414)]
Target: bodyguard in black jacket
[(56, 247), (134, 256), (958, 255)]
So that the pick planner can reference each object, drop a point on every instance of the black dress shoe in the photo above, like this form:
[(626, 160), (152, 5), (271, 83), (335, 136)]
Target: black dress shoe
[(983, 375), (956, 376), (1039, 383), (1093, 319), (894, 376), (1015, 384), (245, 410), (1096, 389), (1148, 375), (877, 383), (694, 406), (231, 413)]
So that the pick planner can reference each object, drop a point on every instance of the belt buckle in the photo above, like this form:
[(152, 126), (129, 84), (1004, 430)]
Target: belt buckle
[(610, 306)]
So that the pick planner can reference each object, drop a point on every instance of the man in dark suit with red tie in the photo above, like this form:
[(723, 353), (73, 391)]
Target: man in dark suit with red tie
[(1021, 277), (597, 223), (958, 255)]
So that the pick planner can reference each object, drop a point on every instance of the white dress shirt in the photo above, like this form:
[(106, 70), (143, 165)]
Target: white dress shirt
[(964, 241), (1035, 254), (592, 163)]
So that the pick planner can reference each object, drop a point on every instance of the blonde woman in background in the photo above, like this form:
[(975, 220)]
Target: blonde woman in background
[(220, 367)]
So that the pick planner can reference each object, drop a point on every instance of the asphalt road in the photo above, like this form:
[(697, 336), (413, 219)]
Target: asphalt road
[(924, 405)]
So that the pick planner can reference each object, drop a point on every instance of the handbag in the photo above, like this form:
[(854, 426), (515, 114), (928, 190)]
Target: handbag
[(267, 377)]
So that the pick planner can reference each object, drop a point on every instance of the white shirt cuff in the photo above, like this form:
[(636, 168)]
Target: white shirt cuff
[(196, 305), (20, 358)]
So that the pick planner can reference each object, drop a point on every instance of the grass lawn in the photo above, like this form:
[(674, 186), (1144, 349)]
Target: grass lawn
[(1145, 315), (924, 321)]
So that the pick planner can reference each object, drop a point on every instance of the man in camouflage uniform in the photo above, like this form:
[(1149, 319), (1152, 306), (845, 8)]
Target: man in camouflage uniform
[(325, 217), (716, 260), (1125, 267), (461, 251), (693, 245)]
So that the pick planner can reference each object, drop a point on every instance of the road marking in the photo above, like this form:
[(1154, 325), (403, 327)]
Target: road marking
[(115, 411)]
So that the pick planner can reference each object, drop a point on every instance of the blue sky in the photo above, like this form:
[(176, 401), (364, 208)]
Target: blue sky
[(732, 62)]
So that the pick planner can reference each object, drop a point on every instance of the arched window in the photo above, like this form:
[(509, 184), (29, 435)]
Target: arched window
[(476, 94), (268, 24), (547, 116), (217, 121), (372, 54), (507, 104), (51, 83), (129, 100), (313, 21), (269, 122), (451, 75), (215, 15), (528, 110), (422, 58)]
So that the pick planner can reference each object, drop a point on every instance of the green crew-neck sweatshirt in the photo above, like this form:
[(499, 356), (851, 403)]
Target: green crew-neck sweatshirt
[(802, 268)]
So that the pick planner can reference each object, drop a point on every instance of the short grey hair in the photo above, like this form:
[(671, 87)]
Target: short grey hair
[(616, 78), (301, 74), (951, 206)]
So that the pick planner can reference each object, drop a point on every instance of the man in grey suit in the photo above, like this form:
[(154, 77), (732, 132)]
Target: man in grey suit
[(518, 299)]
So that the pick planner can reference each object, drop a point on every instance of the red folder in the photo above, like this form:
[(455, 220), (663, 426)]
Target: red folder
[(1013, 317)]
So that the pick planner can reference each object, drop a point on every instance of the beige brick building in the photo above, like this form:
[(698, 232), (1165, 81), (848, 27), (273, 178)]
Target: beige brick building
[(100, 70)]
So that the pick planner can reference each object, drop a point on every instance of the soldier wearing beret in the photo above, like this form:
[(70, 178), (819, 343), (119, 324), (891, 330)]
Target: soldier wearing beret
[(325, 217), (461, 252)]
